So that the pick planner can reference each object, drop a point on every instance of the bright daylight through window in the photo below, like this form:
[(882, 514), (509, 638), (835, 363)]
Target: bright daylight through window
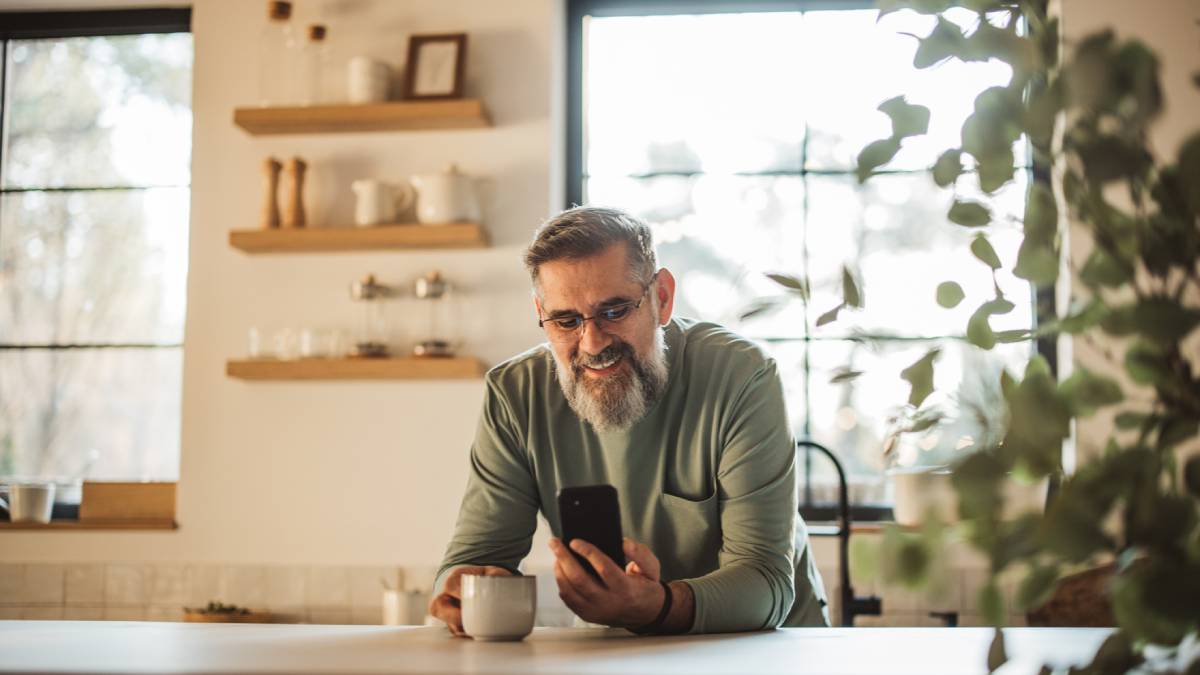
[(95, 178), (735, 136)]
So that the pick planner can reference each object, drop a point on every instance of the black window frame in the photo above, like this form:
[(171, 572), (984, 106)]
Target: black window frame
[(1044, 298)]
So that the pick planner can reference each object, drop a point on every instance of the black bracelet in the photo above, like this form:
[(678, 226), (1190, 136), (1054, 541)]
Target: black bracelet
[(655, 625)]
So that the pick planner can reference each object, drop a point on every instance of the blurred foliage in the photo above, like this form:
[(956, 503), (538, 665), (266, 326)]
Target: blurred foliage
[(1087, 119)]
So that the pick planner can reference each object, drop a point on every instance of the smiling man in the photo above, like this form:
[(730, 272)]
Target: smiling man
[(685, 418)]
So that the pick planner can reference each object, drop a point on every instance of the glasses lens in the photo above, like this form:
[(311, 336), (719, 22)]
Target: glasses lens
[(567, 323), (613, 314)]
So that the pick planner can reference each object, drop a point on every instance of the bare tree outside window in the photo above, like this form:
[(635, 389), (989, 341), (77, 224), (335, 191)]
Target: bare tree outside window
[(94, 200)]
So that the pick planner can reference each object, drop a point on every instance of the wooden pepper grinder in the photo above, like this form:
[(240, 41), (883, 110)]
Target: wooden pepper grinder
[(293, 205), (270, 210)]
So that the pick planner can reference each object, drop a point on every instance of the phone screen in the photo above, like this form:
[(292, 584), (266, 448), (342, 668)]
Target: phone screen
[(591, 513)]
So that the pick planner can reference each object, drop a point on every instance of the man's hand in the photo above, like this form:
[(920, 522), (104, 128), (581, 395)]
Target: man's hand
[(624, 598), (447, 606)]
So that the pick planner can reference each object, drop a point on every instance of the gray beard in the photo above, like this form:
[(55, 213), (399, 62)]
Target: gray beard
[(619, 401)]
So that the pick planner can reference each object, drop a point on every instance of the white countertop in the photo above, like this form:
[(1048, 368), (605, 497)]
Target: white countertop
[(144, 647)]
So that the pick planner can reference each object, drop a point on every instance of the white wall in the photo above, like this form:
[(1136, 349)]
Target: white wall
[(339, 473)]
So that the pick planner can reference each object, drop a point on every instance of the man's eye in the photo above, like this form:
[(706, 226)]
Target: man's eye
[(615, 313), (569, 322)]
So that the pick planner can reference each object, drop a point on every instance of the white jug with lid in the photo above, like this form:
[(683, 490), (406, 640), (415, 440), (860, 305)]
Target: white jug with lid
[(447, 197), (378, 202)]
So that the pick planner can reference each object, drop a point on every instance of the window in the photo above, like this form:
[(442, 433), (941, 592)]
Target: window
[(735, 132), (94, 197)]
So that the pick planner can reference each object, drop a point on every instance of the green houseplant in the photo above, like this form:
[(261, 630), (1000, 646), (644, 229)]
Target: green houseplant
[(1086, 116)]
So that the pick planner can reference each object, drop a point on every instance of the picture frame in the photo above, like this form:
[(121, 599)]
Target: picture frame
[(436, 66)]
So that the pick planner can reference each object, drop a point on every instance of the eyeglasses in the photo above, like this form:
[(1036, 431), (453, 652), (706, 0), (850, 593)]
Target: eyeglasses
[(568, 325)]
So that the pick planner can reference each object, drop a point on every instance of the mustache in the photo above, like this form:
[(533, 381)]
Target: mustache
[(617, 349)]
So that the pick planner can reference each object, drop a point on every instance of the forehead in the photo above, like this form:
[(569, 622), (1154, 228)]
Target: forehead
[(581, 283)]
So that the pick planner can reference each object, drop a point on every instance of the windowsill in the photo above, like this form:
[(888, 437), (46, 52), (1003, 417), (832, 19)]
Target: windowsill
[(58, 525), (821, 528)]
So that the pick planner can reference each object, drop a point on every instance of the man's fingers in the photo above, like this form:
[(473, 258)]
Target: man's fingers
[(566, 590), (609, 573), (496, 572), (581, 580), (453, 584), (446, 608), (641, 554)]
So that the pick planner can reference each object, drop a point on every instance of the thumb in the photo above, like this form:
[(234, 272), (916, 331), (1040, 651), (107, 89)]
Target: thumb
[(641, 559)]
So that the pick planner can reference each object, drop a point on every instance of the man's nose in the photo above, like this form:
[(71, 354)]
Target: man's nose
[(593, 339)]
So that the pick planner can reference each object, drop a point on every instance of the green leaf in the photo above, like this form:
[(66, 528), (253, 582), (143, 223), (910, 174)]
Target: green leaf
[(983, 250), (949, 294), (979, 330), (1191, 476), (1146, 363), (995, 169), (1101, 269), (1130, 420), (947, 168), (1085, 391), (997, 655), (991, 603), (851, 297), (1115, 655), (758, 307), (1041, 214), (1175, 430), (907, 119), (943, 42), (1083, 319), (829, 317), (969, 214), (874, 156), (797, 285), (1164, 319), (1036, 587), (924, 420), (845, 375), (920, 376), (1037, 262), (1189, 171)]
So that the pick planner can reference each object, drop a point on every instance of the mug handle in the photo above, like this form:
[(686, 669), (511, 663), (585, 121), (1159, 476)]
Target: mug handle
[(406, 196)]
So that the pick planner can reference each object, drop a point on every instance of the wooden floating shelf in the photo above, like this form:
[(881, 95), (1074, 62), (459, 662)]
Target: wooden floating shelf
[(93, 525), (467, 113), (403, 368), (377, 237)]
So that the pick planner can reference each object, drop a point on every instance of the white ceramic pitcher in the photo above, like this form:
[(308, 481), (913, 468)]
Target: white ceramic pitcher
[(379, 202), (447, 197)]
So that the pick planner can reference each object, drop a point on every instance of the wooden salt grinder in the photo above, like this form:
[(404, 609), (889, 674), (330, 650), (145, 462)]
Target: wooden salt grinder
[(270, 210), (293, 205)]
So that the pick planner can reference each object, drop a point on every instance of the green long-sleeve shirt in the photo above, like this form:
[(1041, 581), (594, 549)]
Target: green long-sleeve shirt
[(706, 479)]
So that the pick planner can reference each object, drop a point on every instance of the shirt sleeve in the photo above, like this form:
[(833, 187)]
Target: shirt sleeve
[(498, 515), (753, 587)]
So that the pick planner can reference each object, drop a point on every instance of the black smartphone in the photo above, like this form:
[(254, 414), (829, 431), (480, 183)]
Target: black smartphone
[(591, 513)]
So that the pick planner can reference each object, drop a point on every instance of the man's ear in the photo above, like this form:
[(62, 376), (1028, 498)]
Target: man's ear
[(665, 290)]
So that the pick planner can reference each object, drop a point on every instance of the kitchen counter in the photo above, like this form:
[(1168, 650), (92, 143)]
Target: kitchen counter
[(144, 647)]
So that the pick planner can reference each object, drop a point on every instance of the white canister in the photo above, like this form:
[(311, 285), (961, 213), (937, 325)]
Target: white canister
[(367, 80), (447, 197)]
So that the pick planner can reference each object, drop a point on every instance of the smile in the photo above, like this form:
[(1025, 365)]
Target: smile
[(605, 367)]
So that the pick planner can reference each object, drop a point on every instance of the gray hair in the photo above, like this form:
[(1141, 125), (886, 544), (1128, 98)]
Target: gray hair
[(587, 230)]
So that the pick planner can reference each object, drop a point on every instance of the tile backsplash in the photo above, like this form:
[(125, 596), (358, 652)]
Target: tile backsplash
[(353, 595), (159, 592)]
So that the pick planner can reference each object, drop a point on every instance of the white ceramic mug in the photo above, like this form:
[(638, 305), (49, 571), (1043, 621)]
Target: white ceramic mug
[(30, 502), (380, 203), (498, 608)]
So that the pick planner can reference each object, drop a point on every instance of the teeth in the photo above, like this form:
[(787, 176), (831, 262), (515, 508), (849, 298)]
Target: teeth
[(606, 364)]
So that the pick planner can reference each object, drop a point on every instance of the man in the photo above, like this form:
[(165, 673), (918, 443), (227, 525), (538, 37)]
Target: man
[(686, 419)]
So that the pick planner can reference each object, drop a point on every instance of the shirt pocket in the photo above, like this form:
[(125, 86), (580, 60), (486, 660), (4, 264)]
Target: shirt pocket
[(693, 535)]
